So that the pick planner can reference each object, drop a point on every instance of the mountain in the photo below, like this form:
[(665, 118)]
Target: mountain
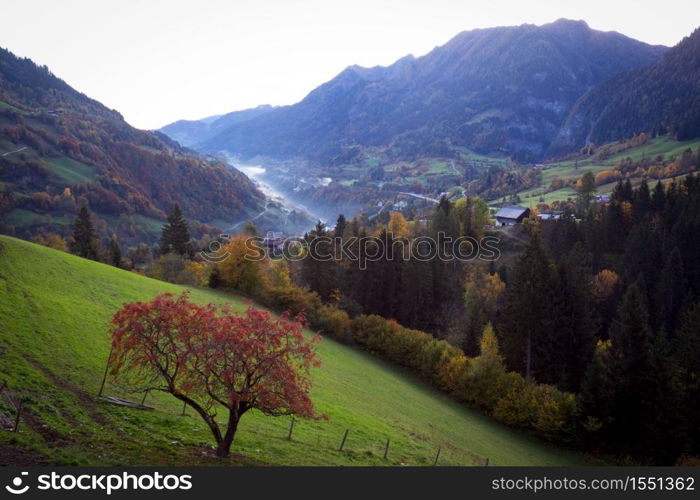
[(661, 97), (189, 133), (60, 149), (503, 90)]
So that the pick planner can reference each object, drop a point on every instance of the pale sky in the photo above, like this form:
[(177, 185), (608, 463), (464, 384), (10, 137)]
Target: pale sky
[(157, 61)]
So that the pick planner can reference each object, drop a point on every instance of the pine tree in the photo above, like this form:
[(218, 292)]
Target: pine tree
[(670, 293), (686, 355), (573, 335), (658, 199), (175, 236), (417, 302), (642, 201), (587, 189), (319, 269), (633, 370), (83, 235), (115, 253), (445, 220), (528, 319), (340, 226), (642, 255)]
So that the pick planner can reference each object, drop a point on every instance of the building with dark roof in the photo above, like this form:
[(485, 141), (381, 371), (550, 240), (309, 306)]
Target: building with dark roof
[(510, 215)]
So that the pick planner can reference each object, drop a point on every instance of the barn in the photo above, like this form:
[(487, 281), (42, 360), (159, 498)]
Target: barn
[(510, 215)]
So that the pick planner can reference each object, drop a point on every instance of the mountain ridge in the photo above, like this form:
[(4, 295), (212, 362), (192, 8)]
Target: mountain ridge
[(191, 132), (661, 97), (62, 149), (503, 90)]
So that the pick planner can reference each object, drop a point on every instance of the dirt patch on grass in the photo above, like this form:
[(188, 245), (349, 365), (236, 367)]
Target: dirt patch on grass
[(49, 434), (87, 402), (14, 455)]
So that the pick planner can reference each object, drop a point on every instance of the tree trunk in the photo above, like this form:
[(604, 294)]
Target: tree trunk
[(224, 447), (528, 357), (211, 422)]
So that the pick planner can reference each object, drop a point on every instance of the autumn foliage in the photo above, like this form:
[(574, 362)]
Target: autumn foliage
[(211, 359)]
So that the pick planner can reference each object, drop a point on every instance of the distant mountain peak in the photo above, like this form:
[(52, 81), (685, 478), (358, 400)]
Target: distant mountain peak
[(568, 23)]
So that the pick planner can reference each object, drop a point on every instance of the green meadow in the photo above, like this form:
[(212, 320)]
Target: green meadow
[(55, 310)]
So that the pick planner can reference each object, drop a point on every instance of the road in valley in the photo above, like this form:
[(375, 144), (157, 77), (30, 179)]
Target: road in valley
[(15, 151)]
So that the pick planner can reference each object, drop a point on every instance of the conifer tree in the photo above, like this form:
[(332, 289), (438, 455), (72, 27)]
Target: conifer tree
[(686, 354), (573, 335), (658, 199), (319, 265), (632, 368), (83, 235), (528, 319), (175, 236), (340, 226), (642, 200), (670, 293), (115, 253), (587, 189)]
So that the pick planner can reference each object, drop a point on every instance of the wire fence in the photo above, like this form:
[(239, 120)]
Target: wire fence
[(357, 445)]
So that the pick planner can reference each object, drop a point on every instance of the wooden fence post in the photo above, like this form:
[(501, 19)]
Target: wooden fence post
[(437, 456), (291, 429), (104, 377), (18, 415), (345, 436), (386, 449), (143, 399)]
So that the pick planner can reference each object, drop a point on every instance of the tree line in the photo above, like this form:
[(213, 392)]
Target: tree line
[(604, 307)]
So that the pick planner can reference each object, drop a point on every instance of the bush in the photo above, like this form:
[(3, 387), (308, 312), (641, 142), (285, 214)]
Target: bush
[(452, 372), (368, 331), (518, 407), (333, 322), (172, 267), (405, 347), (433, 356), (543, 408), (294, 299), (485, 382)]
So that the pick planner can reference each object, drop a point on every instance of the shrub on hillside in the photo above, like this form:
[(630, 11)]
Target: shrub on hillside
[(485, 381), (433, 355), (334, 322), (543, 408), (174, 268), (452, 372)]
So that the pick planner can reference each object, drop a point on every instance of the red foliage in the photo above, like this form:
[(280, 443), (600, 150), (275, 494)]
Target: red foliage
[(208, 358)]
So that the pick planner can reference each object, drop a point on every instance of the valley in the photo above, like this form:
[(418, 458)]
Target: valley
[(142, 316)]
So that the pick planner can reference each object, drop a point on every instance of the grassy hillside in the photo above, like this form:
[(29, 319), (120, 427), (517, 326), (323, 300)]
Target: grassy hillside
[(663, 146), (54, 312)]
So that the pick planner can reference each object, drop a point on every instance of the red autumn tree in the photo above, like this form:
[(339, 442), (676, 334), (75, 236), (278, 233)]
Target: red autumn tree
[(211, 359)]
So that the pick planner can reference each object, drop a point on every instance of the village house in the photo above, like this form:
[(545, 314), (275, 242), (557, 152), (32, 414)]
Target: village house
[(511, 215), (549, 216)]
